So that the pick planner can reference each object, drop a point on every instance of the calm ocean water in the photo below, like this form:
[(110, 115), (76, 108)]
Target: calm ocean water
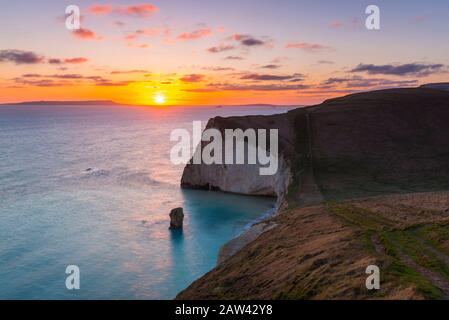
[(93, 186)]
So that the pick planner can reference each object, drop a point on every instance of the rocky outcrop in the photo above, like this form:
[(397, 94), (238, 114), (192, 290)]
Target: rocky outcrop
[(177, 219)]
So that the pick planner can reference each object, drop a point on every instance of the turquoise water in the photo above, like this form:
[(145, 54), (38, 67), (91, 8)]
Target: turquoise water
[(93, 187)]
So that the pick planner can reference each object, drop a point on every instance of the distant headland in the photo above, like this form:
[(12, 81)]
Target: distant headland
[(63, 103)]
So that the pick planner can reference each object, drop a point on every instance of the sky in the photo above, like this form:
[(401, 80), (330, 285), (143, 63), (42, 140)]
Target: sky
[(196, 52)]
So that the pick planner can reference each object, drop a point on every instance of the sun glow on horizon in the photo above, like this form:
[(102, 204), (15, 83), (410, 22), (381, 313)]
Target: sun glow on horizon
[(159, 98)]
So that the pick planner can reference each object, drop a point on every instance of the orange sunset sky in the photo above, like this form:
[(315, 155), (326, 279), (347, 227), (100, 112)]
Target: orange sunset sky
[(194, 52)]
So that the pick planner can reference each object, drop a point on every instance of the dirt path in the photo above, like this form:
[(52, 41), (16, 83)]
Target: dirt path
[(441, 256), (434, 278), (377, 245)]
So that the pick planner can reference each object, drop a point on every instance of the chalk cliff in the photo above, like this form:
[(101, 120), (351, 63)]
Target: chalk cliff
[(246, 179)]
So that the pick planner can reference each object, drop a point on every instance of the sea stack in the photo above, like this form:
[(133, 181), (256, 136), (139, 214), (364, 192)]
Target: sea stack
[(176, 219)]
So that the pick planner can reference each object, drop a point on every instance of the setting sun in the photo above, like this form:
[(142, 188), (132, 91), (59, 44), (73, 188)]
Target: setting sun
[(159, 99)]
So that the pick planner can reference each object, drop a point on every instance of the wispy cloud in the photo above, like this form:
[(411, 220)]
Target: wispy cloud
[(29, 57), (150, 32), (218, 69), (100, 9), (413, 69), (77, 60), (195, 35), (361, 82), (86, 34), (193, 78), (129, 71), (220, 48), (137, 10), (325, 62), (234, 58), (256, 87), (66, 79), (20, 57), (308, 47), (271, 77), (246, 40), (270, 66)]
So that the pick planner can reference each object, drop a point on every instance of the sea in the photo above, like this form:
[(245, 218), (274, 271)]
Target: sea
[(92, 187)]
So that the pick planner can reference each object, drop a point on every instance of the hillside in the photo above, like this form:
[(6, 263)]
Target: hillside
[(363, 182)]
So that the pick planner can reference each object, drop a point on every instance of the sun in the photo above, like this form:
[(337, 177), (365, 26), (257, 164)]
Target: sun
[(159, 98)]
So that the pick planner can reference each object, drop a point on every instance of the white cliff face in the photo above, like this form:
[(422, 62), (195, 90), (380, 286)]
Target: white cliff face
[(245, 179), (241, 179)]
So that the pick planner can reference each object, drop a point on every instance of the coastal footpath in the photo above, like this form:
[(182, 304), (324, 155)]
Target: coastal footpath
[(362, 181)]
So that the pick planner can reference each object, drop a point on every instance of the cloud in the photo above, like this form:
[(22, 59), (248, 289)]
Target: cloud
[(270, 66), (250, 41), (85, 34), (109, 83), (218, 69), (270, 87), (234, 58), (201, 90), (100, 9), (39, 83), (31, 75), (29, 57), (360, 82), (195, 35), (193, 78), (308, 47), (247, 40), (54, 61), (142, 32), (20, 57), (325, 62), (414, 69), (137, 10), (77, 60), (67, 79), (129, 71), (220, 48), (271, 77)]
